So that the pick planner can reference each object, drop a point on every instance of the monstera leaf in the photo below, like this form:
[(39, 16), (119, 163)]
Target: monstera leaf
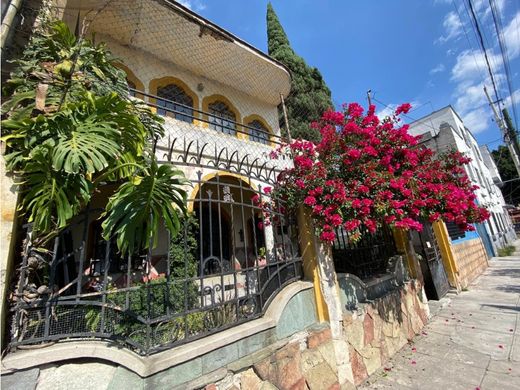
[(134, 212), (51, 198)]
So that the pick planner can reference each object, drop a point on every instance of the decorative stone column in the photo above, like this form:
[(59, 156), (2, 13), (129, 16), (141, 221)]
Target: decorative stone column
[(318, 266)]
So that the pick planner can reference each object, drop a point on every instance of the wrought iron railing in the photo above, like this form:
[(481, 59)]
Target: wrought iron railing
[(223, 270), (366, 257)]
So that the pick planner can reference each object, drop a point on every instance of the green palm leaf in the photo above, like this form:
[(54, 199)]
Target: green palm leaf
[(51, 198), (134, 212)]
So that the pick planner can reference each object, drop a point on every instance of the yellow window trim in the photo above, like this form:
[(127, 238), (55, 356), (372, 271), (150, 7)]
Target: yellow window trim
[(155, 84)]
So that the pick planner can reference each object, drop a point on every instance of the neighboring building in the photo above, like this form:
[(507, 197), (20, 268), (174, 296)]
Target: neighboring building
[(443, 130)]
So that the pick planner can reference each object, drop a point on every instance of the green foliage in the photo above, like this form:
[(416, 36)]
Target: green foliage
[(140, 205), (70, 128), (183, 249), (310, 96), (507, 170), (506, 251)]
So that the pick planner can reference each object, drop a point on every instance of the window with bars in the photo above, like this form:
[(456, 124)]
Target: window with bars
[(177, 103), (258, 132), (454, 231), (221, 118)]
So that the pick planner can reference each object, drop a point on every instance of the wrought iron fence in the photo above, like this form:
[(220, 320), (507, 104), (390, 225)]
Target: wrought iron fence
[(367, 257), (223, 270)]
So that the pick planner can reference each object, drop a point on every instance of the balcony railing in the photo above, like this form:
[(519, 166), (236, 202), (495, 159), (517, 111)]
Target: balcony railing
[(189, 115)]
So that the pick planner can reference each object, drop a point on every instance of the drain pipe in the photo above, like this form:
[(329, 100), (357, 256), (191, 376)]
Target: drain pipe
[(7, 21)]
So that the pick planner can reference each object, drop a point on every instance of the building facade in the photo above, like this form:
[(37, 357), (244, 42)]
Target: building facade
[(444, 130)]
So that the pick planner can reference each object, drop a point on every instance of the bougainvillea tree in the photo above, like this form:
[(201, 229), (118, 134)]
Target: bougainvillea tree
[(366, 172)]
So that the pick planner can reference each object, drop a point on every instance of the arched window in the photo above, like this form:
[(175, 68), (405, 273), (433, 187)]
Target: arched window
[(177, 103), (221, 118), (258, 132)]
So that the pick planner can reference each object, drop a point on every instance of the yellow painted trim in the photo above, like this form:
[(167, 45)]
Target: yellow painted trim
[(206, 178), (133, 78), (448, 258), (250, 118), (207, 100), (310, 261), (155, 84), (401, 242)]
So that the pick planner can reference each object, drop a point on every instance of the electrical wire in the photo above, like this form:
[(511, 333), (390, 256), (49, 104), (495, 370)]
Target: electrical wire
[(505, 58), (483, 47)]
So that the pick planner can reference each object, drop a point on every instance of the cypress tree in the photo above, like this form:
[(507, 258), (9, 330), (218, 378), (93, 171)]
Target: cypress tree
[(310, 96)]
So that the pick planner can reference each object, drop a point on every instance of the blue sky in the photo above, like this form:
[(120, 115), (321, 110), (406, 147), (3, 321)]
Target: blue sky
[(418, 51)]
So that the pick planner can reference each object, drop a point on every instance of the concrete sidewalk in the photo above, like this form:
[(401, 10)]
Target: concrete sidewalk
[(472, 343)]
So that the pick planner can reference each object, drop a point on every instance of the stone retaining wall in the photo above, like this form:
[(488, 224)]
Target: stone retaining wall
[(471, 259), (377, 330), (290, 352)]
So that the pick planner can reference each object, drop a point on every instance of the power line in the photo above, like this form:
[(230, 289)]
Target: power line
[(483, 47), (405, 115), (505, 58), (482, 74)]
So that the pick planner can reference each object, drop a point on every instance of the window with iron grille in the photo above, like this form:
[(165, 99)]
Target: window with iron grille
[(221, 118), (454, 231), (177, 103), (258, 132)]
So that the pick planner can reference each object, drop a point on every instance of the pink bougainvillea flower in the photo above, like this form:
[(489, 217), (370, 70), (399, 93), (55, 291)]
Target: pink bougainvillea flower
[(366, 173)]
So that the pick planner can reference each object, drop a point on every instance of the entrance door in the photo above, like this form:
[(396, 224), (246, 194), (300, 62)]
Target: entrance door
[(436, 282)]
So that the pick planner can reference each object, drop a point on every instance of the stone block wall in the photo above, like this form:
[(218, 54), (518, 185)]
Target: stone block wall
[(306, 362), (291, 351), (377, 330), (471, 259)]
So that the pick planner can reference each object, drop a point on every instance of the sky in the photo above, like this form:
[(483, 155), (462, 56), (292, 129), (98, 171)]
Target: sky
[(424, 52)]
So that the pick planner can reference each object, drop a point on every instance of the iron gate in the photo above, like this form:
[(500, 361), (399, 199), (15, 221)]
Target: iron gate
[(435, 280)]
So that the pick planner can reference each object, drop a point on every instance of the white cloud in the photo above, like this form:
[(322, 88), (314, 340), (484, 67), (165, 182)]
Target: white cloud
[(387, 111), (512, 36), (195, 5), (438, 69), (477, 120), (452, 28), (470, 75), (471, 64), (515, 100)]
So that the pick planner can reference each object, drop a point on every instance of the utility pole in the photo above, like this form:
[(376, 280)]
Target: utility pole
[(509, 133), (369, 98)]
